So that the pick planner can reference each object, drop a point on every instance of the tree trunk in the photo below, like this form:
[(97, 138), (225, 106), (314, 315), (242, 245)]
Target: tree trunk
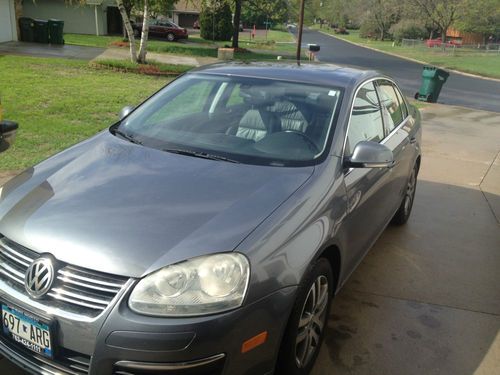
[(128, 28), (18, 9), (143, 49), (236, 24)]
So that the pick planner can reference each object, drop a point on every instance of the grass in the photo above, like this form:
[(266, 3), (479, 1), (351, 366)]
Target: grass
[(464, 60), (60, 102), (91, 40), (279, 42)]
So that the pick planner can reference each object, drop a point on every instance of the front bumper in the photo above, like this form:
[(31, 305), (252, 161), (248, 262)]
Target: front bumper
[(128, 343)]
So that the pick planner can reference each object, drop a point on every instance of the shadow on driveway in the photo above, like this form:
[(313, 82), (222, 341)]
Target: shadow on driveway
[(425, 300), (48, 50)]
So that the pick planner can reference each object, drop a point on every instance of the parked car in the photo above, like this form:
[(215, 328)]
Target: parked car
[(438, 43), (208, 229), (162, 29)]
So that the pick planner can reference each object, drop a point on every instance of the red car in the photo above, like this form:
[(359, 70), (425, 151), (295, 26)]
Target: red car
[(162, 29), (438, 43)]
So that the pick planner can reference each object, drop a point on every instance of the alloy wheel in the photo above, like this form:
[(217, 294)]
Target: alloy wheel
[(410, 192), (311, 322)]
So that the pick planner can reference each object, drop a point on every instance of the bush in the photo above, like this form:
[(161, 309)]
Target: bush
[(369, 29), (408, 29), (216, 21)]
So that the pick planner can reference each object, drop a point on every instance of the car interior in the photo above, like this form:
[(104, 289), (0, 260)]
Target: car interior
[(281, 121)]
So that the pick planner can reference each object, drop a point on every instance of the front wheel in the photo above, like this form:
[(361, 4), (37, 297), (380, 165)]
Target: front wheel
[(306, 326), (170, 37), (403, 213)]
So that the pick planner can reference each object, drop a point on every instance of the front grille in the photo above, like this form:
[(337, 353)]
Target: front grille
[(75, 289)]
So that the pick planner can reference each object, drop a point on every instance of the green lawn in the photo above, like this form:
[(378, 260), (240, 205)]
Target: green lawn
[(61, 102), (464, 60), (91, 40), (267, 48)]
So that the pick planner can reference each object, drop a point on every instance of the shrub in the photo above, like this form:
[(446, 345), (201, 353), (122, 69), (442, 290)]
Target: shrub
[(408, 29), (369, 29), (216, 21)]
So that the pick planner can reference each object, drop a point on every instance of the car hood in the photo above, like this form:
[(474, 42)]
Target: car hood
[(109, 205)]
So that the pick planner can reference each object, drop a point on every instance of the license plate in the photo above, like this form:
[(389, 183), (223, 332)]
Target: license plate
[(27, 331)]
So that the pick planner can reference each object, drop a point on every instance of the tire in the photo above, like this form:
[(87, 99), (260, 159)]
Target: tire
[(403, 213), (170, 37), (298, 357)]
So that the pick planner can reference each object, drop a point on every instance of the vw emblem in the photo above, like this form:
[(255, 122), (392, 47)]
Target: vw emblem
[(39, 277)]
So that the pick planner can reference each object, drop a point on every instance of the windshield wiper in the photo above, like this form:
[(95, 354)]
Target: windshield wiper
[(128, 137), (199, 154)]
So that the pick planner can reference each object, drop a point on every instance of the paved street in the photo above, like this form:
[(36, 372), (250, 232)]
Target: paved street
[(425, 300), (459, 89)]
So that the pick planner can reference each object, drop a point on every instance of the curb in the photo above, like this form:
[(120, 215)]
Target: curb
[(413, 60)]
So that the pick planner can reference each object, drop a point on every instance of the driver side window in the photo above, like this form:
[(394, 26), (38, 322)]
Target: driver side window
[(366, 118)]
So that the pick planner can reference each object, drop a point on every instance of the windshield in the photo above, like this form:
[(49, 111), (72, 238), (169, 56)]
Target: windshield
[(248, 120)]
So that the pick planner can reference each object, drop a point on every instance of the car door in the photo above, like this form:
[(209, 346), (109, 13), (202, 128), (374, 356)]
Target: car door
[(153, 28), (368, 197), (395, 116)]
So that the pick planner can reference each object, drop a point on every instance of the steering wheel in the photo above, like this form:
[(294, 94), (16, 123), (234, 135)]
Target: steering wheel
[(305, 137)]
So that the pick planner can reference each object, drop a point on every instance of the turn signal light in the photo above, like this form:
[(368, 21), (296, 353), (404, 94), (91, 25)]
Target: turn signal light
[(254, 342)]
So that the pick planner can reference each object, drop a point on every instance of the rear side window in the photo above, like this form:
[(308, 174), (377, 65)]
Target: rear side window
[(391, 106), (366, 118), (404, 109)]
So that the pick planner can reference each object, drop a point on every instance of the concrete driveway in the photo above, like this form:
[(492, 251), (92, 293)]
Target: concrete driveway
[(426, 299)]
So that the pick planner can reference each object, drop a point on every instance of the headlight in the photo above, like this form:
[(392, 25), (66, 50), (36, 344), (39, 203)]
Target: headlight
[(204, 285)]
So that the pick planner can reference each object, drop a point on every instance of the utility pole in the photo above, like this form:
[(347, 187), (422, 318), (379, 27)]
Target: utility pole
[(301, 26)]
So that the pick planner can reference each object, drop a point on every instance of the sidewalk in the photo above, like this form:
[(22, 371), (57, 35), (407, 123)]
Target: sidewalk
[(91, 53)]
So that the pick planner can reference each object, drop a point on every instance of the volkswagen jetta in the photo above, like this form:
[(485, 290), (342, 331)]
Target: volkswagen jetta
[(206, 231)]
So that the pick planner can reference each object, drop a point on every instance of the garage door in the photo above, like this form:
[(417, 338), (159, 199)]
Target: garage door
[(6, 21), (187, 20)]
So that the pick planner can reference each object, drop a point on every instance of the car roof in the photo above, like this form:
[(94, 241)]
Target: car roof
[(310, 73)]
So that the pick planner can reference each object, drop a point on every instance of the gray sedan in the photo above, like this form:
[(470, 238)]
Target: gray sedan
[(207, 231)]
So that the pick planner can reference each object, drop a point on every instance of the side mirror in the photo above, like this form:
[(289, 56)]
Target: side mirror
[(369, 154), (8, 130), (125, 111)]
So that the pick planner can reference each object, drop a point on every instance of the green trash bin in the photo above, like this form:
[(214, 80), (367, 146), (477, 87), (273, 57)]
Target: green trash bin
[(433, 80), (41, 31), (56, 28), (26, 26)]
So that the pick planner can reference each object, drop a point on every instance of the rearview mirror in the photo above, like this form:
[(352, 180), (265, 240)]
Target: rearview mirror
[(369, 154), (8, 131), (125, 111)]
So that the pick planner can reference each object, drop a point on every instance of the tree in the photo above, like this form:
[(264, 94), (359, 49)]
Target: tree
[(128, 29), (125, 7), (442, 13), (215, 20), (479, 16), (257, 12), (236, 23), (383, 14)]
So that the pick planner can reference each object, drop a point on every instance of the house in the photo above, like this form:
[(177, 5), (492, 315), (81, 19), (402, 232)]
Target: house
[(464, 38), (8, 27), (98, 17), (186, 12)]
